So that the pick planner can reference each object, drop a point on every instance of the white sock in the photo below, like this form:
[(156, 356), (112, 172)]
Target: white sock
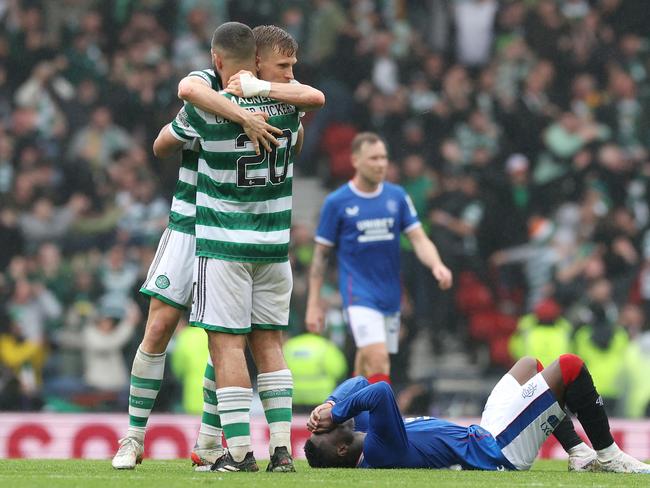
[(234, 410), (608, 453), (146, 377), (581, 449)]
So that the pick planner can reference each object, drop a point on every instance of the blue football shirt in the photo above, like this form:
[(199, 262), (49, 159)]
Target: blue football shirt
[(365, 230), (425, 442)]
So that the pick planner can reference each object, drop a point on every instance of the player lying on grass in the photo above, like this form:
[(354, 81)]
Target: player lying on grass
[(524, 408)]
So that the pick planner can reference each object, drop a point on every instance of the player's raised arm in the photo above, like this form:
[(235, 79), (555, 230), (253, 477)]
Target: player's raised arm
[(194, 90), (386, 425), (428, 255), (305, 97), (166, 145), (315, 317)]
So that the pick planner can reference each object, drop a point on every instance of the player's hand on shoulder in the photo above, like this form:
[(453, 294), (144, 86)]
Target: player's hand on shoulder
[(443, 275), (235, 82), (315, 319), (260, 132)]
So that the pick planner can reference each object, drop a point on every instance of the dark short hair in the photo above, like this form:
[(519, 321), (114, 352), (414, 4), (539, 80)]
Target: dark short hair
[(276, 38), (325, 454), (362, 138), (319, 456), (235, 40)]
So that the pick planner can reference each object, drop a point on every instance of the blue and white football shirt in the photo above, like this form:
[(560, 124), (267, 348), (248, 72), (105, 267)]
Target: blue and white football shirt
[(365, 229), (424, 442)]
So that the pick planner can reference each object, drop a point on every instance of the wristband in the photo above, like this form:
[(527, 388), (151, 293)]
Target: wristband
[(252, 87)]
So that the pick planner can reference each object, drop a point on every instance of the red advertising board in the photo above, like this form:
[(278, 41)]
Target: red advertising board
[(95, 436)]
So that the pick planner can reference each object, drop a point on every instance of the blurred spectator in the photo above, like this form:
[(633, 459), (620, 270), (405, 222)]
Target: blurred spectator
[(11, 236), (326, 21), (474, 30), (188, 361), (47, 222), (601, 342), (626, 114), (101, 341), (145, 214), (43, 92), (21, 366), (33, 309), (543, 334), (317, 366), (117, 274), (96, 143), (635, 386), (191, 49)]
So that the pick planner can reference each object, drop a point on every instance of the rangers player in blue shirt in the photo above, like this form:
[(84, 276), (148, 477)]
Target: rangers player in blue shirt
[(363, 221), (524, 408)]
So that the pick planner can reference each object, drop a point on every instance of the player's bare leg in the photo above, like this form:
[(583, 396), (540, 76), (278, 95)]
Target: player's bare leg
[(161, 324), (146, 377), (375, 362), (358, 365), (572, 385), (234, 394), (275, 386), (581, 456)]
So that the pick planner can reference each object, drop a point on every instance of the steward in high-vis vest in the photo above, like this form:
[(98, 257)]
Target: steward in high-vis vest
[(317, 366), (543, 334), (602, 345)]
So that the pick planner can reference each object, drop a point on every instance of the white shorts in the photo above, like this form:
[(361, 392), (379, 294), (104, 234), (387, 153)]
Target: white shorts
[(521, 417), (370, 326), (237, 297), (170, 275)]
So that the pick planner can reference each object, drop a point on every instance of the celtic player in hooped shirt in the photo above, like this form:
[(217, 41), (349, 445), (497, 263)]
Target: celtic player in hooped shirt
[(167, 281), (242, 275)]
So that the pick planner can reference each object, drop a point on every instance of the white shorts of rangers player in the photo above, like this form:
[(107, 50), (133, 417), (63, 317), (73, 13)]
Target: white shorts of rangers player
[(370, 326), (236, 297), (521, 417), (170, 275)]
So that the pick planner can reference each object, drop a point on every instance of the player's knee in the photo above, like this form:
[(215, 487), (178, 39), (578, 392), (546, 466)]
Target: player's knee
[(571, 366), (159, 328), (529, 363)]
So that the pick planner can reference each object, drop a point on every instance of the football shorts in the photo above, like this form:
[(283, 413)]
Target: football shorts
[(370, 326), (521, 417), (170, 275), (237, 297)]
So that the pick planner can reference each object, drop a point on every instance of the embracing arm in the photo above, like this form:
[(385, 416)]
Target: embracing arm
[(305, 97), (300, 140), (315, 318), (428, 255), (194, 90), (166, 145)]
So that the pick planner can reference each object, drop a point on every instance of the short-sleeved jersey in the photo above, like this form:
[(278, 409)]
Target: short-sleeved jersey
[(424, 442), (243, 200), (183, 210), (365, 230)]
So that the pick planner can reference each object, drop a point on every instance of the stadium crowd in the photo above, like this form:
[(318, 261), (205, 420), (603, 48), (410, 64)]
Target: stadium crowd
[(520, 129)]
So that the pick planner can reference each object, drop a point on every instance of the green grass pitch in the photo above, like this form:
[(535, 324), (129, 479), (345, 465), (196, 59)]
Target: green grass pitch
[(178, 473)]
